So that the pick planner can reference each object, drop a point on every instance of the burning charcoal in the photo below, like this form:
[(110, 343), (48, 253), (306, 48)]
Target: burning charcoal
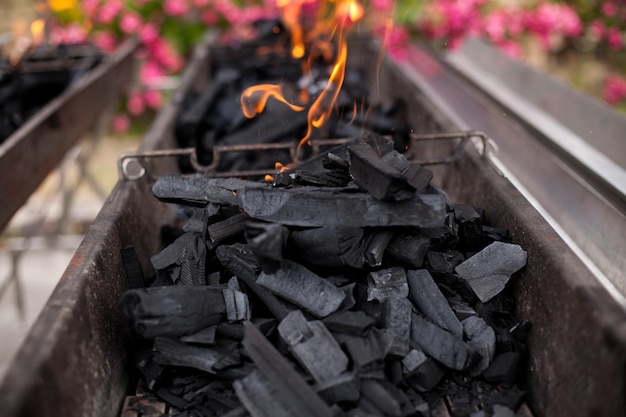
[(350, 322), (237, 306), (174, 310), (376, 247), (390, 282), (208, 359), (261, 398), (302, 207), (132, 267), (441, 345), (228, 228), (482, 338), (199, 190), (345, 387), (376, 177), (184, 259), (314, 346), (329, 246), (444, 261), (205, 336), (240, 260), (489, 270), (267, 240), (504, 369), (408, 249), (471, 236), (302, 287), (369, 349), (422, 373), (431, 302), (397, 320)]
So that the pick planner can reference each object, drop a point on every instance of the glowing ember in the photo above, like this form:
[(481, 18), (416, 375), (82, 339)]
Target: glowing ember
[(318, 30)]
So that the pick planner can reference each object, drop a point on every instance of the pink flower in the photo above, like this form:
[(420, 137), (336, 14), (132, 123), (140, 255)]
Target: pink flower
[(148, 34), (176, 7), (104, 41), (121, 123), (90, 7), (209, 17), (72, 34), (135, 104), (201, 3), (495, 25), (614, 89), (165, 55), (109, 11), (609, 9), (510, 48), (382, 5), (597, 29), (130, 23), (614, 39), (153, 99), (150, 72), (395, 42)]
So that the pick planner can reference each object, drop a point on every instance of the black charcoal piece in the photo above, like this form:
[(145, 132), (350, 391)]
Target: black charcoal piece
[(461, 309), (199, 219), (512, 398), (418, 177), (237, 305), (378, 242), (199, 190), (483, 339), (396, 318), (335, 163), (441, 345), (408, 249), (321, 179), (204, 336), (314, 346), (304, 288), (426, 376), (369, 349), (132, 267), (345, 387), (349, 322), (502, 411), (261, 398), (329, 246), (386, 283), (172, 311), (489, 270), (267, 240), (430, 301), (444, 262), (208, 359), (240, 260), (379, 396), (184, 260), (375, 176), (227, 228), (470, 230), (396, 160), (294, 390), (412, 361), (230, 331), (504, 369), (318, 207), (349, 301), (494, 233)]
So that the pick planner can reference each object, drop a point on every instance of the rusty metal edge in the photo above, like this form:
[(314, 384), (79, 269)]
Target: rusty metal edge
[(28, 156)]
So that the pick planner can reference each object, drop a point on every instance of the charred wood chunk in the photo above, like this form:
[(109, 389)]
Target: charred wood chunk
[(489, 270), (444, 262), (471, 236), (386, 399), (199, 219), (237, 305), (376, 248), (496, 234), (430, 301), (267, 240), (302, 207), (208, 359), (396, 318), (345, 387), (421, 372), (418, 177), (240, 260), (204, 336), (228, 228), (329, 246), (386, 283), (376, 177), (441, 345), (304, 288), (335, 163), (483, 339), (408, 249), (504, 369), (172, 311), (314, 346), (262, 398), (350, 322), (320, 179), (132, 267), (367, 350), (184, 260), (199, 190)]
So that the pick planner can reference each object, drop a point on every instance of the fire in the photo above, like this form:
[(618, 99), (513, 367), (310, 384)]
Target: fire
[(37, 29), (318, 30)]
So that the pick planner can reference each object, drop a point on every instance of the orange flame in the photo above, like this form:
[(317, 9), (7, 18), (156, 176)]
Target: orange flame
[(37, 30), (324, 38)]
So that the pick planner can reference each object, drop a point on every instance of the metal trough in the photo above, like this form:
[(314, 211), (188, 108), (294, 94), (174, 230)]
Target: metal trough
[(74, 361)]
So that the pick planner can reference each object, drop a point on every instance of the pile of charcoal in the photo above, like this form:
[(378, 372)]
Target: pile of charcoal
[(351, 286)]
